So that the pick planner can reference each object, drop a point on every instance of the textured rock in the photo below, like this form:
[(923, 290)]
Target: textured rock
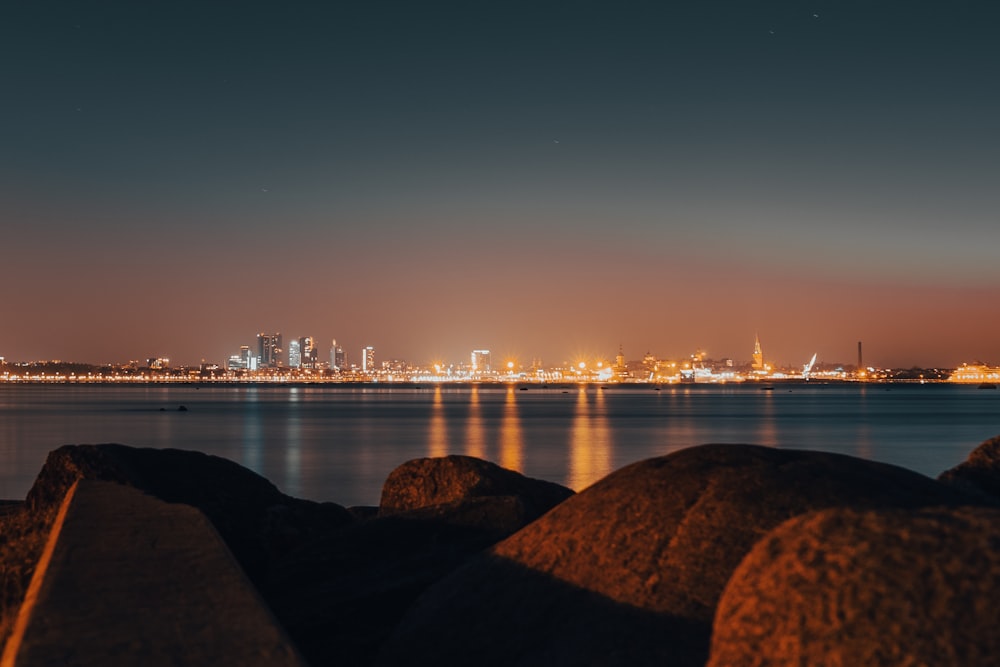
[(132, 580), (437, 481), (843, 587), (980, 471), (256, 520), (630, 570)]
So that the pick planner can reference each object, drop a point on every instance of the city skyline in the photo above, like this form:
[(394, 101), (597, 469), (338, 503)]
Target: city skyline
[(267, 352), (539, 179)]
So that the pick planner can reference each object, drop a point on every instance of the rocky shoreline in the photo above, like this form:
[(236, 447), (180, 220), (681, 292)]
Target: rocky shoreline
[(717, 554)]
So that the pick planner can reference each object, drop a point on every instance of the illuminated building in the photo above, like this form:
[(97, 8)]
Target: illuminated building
[(244, 361), (308, 354), (294, 354), (337, 356), (249, 359), (481, 361), (368, 360), (269, 350), (620, 359), (758, 355)]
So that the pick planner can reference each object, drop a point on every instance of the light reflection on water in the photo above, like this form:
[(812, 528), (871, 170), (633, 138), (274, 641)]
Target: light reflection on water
[(293, 445), (339, 443), (437, 431), (474, 435), (590, 441), (253, 431), (511, 440)]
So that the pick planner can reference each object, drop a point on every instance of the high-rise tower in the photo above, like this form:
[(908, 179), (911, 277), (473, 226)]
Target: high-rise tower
[(368, 360), (337, 358), (308, 352), (268, 350), (481, 361)]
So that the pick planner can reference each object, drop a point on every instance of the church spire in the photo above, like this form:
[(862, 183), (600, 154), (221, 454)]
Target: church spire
[(758, 354)]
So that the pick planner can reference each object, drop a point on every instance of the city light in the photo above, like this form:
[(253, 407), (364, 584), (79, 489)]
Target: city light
[(268, 361)]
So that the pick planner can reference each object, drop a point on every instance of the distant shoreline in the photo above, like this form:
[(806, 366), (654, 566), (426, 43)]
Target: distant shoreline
[(526, 385)]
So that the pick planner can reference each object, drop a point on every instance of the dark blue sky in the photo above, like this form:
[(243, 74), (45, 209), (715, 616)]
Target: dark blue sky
[(544, 179)]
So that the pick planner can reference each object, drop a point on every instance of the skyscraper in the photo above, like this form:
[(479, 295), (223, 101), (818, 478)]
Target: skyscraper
[(368, 360), (294, 354), (481, 361), (248, 360), (337, 357), (309, 355), (269, 350)]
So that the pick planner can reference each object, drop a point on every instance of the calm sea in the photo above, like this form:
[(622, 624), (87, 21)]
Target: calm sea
[(338, 443)]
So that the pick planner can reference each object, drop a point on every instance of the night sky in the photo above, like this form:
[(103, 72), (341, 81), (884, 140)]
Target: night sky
[(547, 180)]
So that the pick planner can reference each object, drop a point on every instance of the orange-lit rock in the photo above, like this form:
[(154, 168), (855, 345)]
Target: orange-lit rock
[(436, 481), (630, 570), (980, 471), (875, 588)]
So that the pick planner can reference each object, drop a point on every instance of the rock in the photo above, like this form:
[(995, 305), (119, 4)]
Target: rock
[(980, 471), (630, 570), (437, 481), (256, 520), (843, 587), (340, 597)]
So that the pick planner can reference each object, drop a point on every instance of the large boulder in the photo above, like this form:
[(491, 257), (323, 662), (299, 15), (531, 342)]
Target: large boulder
[(340, 597), (630, 570), (876, 588), (444, 480), (981, 471), (257, 521)]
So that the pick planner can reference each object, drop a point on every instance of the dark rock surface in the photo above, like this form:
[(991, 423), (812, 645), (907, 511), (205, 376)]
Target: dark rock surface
[(843, 587), (342, 595), (980, 471), (257, 521), (338, 580), (437, 481), (630, 570)]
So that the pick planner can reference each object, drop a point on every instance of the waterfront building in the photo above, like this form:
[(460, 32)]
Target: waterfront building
[(620, 369), (368, 359), (244, 361), (337, 357), (269, 350), (481, 362), (294, 354), (308, 353)]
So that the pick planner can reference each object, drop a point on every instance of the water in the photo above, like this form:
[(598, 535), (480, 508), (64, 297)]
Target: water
[(338, 443)]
